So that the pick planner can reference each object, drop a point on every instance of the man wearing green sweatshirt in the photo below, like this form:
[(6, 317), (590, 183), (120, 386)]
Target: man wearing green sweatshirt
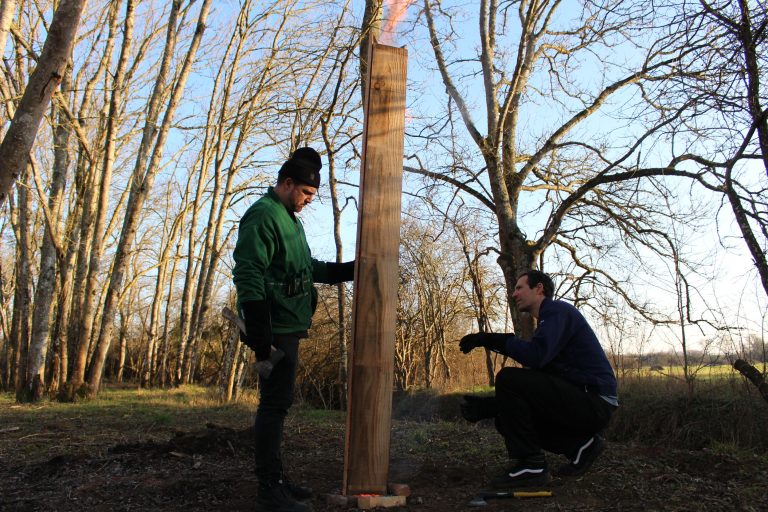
[(274, 275)]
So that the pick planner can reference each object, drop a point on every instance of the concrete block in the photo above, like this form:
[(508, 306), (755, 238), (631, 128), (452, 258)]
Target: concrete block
[(399, 489), (366, 502)]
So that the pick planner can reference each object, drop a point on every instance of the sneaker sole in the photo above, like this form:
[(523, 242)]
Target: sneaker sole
[(536, 481)]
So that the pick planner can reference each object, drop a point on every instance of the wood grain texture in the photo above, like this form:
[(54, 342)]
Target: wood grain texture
[(369, 416)]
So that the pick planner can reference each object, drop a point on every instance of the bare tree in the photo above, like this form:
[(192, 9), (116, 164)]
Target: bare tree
[(86, 314), (43, 81), (559, 177), (335, 130), (483, 292), (436, 282), (169, 238), (50, 253), (153, 139), (724, 129), (22, 300)]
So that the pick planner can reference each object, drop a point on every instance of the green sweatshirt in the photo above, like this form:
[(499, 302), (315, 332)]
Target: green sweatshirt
[(273, 262)]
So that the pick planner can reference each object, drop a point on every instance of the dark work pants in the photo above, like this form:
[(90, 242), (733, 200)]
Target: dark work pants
[(537, 410), (275, 398)]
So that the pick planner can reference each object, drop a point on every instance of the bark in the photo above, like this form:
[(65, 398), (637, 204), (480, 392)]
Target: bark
[(81, 219), (148, 374), (6, 353), (742, 220), (144, 175), (122, 347), (187, 301), (64, 303), (49, 256), (749, 38), (223, 139), (753, 375), (44, 80), (479, 295), (240, 371), (229, 365), (371, 26), (510, 172), (87, 312), (22, 298), (341, 289), (164, 371), (7, 7)]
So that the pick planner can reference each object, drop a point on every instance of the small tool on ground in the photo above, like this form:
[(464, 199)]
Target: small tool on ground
[(264, 368), (481, 499)]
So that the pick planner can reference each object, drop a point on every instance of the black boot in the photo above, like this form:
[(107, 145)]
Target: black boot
[(273, 497)]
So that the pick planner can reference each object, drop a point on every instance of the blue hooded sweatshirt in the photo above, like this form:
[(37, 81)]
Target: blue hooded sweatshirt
[(565, 345)]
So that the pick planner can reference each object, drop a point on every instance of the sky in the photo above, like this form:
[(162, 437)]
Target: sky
[(731, 283), (728, 282)]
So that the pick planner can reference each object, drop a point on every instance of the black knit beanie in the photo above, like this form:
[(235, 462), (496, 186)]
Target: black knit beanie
[(304, 166)]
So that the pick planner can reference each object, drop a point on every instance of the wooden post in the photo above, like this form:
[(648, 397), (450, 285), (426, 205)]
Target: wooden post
[(369, 412)]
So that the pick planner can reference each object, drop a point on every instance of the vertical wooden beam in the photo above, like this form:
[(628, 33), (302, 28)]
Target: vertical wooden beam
[(369, 412)]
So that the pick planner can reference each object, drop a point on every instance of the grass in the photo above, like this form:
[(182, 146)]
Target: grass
[(709, 372), (121, 414), (721, 413), (718, 411)]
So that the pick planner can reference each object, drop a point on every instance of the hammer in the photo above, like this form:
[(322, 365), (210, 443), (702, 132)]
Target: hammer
[(481, 499), (264, 368)]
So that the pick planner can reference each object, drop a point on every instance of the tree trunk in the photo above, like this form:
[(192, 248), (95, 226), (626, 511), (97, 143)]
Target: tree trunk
[(240, 372), (371, 26), (78, 323), (229, 365), (144, 175), (95, 206), (7, 7), (164, 370), (21, 300), (6, 357), (150, 358), (18, 141), (123, 347), (46, 284)]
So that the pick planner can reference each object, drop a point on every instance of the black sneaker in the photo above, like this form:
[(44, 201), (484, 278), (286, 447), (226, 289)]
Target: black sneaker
[(585, 456), (297, 491), (273, 497), (526, 473)]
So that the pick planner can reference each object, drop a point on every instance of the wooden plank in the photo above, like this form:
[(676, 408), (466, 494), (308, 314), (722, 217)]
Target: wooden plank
[(369, 416)]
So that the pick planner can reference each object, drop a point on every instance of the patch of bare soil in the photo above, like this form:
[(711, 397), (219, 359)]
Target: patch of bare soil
[(211, 469)]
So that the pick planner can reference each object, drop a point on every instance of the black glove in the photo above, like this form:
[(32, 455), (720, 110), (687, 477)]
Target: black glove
[(476, 408), (490, 340), (340, 272), (258, 327)]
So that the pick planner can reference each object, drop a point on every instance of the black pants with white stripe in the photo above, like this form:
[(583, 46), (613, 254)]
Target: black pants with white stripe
[(538, 411)]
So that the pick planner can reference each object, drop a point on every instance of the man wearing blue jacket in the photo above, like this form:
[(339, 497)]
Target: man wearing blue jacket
[(564, 396)]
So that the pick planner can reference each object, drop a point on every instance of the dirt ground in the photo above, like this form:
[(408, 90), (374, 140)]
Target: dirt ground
[(78, 464)]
